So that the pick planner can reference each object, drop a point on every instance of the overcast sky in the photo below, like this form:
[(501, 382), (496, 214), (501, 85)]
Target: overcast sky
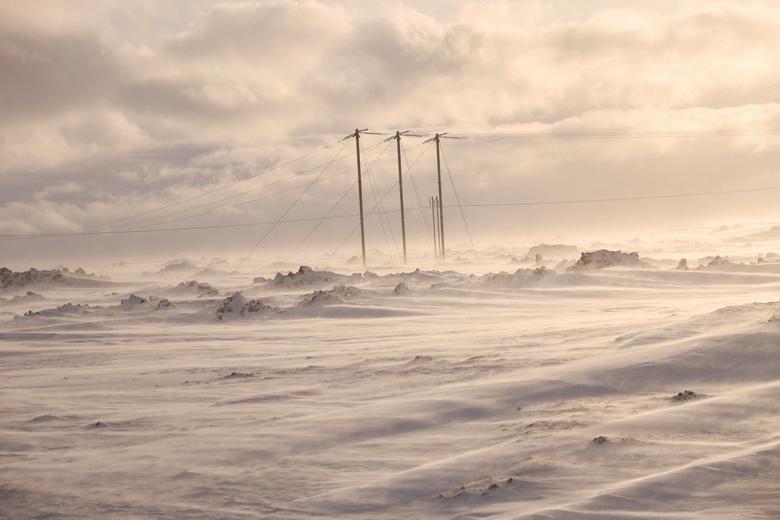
[(110, 109)]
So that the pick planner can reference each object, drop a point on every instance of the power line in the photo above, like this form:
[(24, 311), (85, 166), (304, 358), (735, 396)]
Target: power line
[(409, 168), (380, 208), (343, 196), (604, 134), (617, 199), (457, 200), (189, 199), (417, 191), (373, 211), (321, 220), (162, 230), (264, 197), (291, 206), (611, 134), (229, 197)]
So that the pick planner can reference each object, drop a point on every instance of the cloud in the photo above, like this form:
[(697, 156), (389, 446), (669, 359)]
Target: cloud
[(47, 74), (141, 104)]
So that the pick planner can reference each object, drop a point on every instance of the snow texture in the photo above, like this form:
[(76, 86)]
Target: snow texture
[(608, 391)]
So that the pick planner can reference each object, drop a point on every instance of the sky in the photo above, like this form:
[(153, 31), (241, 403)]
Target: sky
[(132, 115)]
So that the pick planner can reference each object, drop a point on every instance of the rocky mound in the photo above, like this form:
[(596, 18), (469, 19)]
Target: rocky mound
[(604, 258), (520, 276), (200, 288), (28, 297), (305, 275), (329, 297), (132, 301), (11, 280), (237, 305), (720, 263), (178, 266), (68, 308), (16, 280)]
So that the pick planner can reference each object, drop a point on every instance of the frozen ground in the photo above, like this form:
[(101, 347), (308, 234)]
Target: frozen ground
[(545, 394)]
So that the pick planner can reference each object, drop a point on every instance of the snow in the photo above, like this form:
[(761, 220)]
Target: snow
[(178, 266), (608, 391), (554, 251), (27, 297)]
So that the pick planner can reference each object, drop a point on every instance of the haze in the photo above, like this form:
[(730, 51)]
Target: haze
[(192, 329), (111, 109)]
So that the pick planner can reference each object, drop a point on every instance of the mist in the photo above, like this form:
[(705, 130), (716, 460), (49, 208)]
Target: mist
[(298, 259)]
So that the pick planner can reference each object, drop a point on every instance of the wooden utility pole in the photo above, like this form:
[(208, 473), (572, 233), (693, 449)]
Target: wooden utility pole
[(401, 191), (435, 221), (441, 199), (360, 197)]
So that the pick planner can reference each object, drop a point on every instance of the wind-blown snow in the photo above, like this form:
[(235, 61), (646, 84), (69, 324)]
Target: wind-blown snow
[(607, 391)]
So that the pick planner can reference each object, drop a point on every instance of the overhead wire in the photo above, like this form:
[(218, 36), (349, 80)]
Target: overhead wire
[(291, 206), (611, 134), (229, 197), (322, 219), (617, 199), (373, 211), (333, 207), (457, 199), (410, 174), (220, 188), (382, 217), (263, 197)]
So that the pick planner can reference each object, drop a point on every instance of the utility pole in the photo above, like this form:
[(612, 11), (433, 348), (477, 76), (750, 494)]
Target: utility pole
[(360, 196), (437, 139), (435, 225), (401, 190)]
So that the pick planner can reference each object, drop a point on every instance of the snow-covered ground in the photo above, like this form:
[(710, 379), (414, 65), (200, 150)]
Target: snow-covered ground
[(612, 387)]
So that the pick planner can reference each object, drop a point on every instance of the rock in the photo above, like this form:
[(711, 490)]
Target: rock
[(237, 304), (68, 308), (401, 289), (305, 276), (604, 258), (720, 263), (234, 375), (600, 439), (178, 266), (234, 303), (201, 288), (685, 395), (164, 304), (15, 280), (682, 265), (332, 296), (132, 300)]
